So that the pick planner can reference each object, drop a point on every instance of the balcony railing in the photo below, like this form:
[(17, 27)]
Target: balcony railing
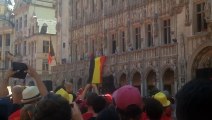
[(122, 58)]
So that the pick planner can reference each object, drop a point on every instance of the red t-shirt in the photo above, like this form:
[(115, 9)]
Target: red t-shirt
[(167, 114), (144, 116), (87, 116), (15, 116), (164, 117)]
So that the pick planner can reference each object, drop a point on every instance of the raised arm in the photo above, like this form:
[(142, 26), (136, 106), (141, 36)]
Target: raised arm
[(39, 83), (95, 89), (87, 87), (5, 82), (85, 91), (75, 112)]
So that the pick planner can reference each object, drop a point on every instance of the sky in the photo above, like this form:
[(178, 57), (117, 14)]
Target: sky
[(2, 1), (11, 3)]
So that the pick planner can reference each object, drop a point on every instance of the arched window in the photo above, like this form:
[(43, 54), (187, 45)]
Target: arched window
[(44, 28)]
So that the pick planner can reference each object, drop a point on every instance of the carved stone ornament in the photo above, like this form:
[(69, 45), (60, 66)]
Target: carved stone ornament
[(187, 15), (138, 65), (208, 10), (156, 25)]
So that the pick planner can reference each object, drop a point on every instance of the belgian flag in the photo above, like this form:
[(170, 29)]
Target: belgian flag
[(51, 52), (96, 69)]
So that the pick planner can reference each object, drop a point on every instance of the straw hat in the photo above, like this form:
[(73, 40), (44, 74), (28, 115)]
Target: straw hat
[(30, 94), (161, 97)]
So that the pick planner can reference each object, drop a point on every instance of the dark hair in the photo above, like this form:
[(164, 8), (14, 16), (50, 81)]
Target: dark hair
[(131, 112), (108, 113), (153, 109), (58, 88), (90, 98), (99, 104), (52, 107), (153, 91), (194, 100), (27, 112)]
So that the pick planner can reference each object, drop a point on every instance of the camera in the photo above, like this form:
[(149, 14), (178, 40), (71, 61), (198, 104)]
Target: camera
[(21, 70)]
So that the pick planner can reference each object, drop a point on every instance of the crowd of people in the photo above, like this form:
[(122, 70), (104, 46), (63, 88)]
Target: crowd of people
[(192, 102)]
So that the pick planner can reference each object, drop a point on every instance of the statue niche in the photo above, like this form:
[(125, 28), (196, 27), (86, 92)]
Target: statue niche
[(208, 10)]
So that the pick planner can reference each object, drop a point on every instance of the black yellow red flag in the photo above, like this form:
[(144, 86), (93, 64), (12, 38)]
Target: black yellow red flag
[(51, 52), (96, 69)]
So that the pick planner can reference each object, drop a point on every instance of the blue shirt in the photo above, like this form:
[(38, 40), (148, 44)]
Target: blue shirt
[(7, 108)]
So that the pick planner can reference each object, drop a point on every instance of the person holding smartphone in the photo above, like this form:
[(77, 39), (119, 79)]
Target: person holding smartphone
[(15, 104)]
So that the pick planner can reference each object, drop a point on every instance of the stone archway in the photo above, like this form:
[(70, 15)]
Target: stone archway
[(168, 81), (123, 80), (151, 82), (136, 81), (202, 64)]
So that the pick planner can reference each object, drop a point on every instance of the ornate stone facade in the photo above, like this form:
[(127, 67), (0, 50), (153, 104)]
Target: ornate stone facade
[(34, 28), (148, 43)]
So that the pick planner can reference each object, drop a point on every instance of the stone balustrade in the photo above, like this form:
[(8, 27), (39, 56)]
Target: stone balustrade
[(82, 67)]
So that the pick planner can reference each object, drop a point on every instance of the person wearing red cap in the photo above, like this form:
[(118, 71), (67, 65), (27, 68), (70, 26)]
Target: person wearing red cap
[(108, 98), (128, 102)]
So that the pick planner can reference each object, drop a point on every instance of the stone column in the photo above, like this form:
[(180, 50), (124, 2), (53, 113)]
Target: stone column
[(108, 46), (128, 40), (176, 83), (129, 77), (131, 36), (158, 81), (3, 49), (145, 85), (119, 34)]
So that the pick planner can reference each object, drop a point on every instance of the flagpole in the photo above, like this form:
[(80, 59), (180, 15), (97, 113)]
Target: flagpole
[(103, 19), (84, 17)]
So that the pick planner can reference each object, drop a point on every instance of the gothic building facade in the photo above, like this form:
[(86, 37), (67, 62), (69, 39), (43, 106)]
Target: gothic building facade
[(148, 43)]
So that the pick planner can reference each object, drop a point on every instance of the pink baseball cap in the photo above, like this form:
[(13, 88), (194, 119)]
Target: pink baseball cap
[(127, 95)]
